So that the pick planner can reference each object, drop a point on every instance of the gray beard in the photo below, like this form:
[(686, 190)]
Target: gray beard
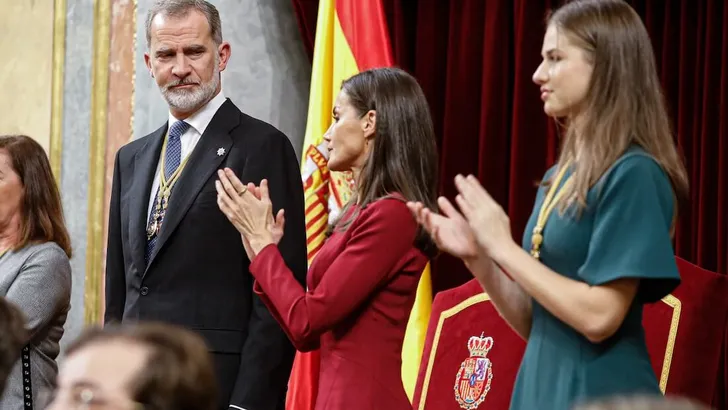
[(191, 100)]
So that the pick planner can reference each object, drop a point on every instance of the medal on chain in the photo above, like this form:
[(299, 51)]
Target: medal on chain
[(553, 197), (162, 202)]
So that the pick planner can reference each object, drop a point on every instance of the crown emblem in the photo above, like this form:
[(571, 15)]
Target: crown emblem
[(480, 346), (472, 382)]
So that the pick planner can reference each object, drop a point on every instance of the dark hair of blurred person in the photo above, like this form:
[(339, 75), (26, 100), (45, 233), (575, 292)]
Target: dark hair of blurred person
[(152, 366), (12, 338)]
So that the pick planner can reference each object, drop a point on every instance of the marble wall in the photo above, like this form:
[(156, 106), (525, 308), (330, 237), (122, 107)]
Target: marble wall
[(25, 78), (268, 77), (268, 74), (75, 156)]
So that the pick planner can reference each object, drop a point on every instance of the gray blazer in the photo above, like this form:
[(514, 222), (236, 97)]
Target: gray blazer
[(37, 278)]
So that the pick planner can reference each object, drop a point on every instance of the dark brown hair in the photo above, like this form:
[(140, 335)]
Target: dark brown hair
[(13, 336), (404, 156), (624, 104), (42, 209), (178, 374)]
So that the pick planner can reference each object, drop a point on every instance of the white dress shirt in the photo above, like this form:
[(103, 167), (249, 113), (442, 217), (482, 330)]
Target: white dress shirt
[(198, 123)]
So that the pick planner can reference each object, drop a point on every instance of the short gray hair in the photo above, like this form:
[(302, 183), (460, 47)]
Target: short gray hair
[(181, 8)]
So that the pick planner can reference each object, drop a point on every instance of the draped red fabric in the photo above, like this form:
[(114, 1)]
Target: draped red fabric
[(474, 60), (306, 12), (366, 32)]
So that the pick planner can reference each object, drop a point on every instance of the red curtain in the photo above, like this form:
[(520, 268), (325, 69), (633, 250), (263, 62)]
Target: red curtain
[(474, 60)]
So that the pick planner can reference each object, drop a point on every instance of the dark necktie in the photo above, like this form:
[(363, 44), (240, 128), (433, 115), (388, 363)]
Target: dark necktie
[(172, 159)]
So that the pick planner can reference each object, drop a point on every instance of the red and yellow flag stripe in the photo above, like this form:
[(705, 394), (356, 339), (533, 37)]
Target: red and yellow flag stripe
[(351, 36)]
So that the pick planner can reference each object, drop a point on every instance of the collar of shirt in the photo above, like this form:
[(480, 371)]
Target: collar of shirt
[(201, 119), (199, 122)]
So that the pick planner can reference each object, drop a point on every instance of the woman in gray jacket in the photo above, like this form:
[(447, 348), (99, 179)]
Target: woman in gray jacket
[(35, 273)]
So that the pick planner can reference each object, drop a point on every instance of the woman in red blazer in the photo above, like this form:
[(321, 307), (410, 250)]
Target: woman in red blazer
[(362, 284)]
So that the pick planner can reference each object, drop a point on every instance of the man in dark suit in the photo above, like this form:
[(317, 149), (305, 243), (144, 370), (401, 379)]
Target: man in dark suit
[(172, 255)]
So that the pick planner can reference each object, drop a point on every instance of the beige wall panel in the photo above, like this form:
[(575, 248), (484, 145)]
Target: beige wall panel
[(26, 44)]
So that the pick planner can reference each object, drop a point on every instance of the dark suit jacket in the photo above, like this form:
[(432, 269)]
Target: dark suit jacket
[(198, 275), (361, 288)]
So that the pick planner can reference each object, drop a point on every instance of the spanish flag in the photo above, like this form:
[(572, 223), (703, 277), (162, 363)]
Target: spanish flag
[(351, 36)]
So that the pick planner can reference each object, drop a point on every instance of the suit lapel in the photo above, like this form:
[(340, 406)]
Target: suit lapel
[(205, 159), (145, 165)]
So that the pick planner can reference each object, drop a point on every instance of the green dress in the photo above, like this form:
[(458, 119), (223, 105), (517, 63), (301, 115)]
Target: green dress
[(624, 232)]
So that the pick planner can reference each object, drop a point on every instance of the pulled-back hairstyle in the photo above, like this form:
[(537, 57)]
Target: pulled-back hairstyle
[(404, 156), (624, 104)]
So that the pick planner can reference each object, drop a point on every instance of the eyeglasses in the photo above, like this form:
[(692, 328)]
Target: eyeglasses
[(84, 398)]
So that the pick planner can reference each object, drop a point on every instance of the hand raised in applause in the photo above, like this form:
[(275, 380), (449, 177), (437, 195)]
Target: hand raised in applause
[(450, 231), (250, 210), (484, 216)]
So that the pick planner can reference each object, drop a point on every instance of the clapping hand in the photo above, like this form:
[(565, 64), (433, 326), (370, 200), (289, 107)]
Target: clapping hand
[(450, 231), (249, 209), (484, 215)]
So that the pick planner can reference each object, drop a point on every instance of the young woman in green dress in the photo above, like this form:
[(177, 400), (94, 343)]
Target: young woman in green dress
[(598, 244)]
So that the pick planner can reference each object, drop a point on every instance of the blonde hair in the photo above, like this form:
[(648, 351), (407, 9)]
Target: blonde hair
[(624, 104)]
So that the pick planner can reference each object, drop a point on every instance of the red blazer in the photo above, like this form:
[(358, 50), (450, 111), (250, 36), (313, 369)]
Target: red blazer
[(361, 287)]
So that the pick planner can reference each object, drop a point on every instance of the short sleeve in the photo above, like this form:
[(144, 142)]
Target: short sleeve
[(631, 229)]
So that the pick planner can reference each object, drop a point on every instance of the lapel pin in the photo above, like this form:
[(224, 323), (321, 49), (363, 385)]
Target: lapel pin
[(220, 151)]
